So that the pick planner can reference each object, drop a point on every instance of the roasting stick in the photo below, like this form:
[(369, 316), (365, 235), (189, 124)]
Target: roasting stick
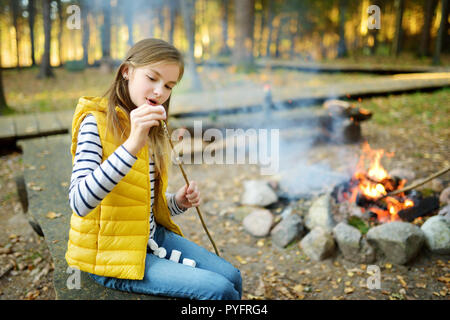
[(417, 184), (166, 131)]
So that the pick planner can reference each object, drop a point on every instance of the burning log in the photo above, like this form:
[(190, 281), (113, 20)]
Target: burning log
[(342, 122), (420, 209), (345, 109)]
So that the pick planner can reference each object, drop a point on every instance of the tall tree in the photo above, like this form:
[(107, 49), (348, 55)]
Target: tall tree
[(15, 11), (428, 14), (224, 6), (243, 48), (4, 109), (86, 30), (270, 17), (46, 69), (398, 37), (441, 32), (106, 64), (188, 12), (342, 46), (173, 15), (31, 17), (60, 30)]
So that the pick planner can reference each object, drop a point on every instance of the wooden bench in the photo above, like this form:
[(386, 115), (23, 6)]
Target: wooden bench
[(44, 188)]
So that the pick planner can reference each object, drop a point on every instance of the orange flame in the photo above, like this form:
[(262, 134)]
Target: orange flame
[(375, 183)]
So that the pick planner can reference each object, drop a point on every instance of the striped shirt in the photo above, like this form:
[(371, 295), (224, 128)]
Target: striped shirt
[(92, 180)]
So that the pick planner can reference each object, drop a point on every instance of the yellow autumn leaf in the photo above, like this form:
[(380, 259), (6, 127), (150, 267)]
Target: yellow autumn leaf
[(53, 215), (241, 260)]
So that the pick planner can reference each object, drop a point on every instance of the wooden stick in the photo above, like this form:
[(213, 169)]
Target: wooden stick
[(417, 184), (166, 131)]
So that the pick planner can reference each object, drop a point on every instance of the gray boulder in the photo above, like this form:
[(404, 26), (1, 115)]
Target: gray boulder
[(352, 244), (258, 193), (445, 212), (444, 197), (289, 229), (437, 234), (258, 222), (320, 214), (318, 244), (398, 241)]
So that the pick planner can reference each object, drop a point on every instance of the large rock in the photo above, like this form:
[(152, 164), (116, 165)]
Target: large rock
[(289, 229), (320, 214), (318, 244), (398, 241), (352, 244), (444, 197), (445, 212), (437, 234), (258, 193), (258, 223)]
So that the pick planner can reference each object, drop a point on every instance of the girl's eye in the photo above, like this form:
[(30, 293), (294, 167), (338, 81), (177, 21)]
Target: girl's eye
[(168, 87), (151, 78)]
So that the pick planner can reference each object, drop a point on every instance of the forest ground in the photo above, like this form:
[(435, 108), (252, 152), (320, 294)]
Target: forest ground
[(420, 144)]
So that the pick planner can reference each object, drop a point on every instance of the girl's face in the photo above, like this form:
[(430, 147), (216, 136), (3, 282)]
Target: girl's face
[(151, 84)]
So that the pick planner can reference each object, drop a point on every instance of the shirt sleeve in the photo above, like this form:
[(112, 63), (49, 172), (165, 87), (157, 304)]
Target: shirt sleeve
[(92, 180), (172, 204)]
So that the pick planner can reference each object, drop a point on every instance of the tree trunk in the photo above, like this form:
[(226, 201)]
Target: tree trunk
[(243, 48), (279, 35), (31, 17), (429, 9), (15, 17), (188, 11), (270, 23), (173, 15), (4, 109), (106, 65), (441, 35), (399, 8), (86, 30), (342, 46), (46, 69), (60, 30), (224, 50)]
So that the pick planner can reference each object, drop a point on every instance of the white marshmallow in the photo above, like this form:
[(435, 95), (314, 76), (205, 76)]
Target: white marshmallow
[(189, 262), (153, 245), (175, 256), (160, 252)]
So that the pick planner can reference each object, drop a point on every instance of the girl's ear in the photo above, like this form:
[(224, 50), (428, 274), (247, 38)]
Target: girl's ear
[(125, 72)]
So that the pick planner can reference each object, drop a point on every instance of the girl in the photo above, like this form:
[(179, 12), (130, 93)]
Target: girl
[(118, 187)]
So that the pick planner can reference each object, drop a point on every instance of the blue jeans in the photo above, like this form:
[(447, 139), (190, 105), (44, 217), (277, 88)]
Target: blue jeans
[(213, 278)]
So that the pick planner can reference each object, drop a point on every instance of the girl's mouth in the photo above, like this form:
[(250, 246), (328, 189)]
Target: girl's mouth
[(152, 102)]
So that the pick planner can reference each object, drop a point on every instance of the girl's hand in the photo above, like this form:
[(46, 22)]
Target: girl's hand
[(142, 119), (188, 196)]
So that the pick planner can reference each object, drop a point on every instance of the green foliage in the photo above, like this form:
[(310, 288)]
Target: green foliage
[(74, 65), (358, 224)]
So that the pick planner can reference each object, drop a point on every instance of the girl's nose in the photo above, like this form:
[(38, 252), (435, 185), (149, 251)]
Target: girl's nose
[(157, 91)]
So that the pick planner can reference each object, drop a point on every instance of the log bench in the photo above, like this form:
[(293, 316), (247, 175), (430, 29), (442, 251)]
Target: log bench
[(43, 188)]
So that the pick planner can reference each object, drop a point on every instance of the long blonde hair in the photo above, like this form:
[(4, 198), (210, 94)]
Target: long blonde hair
[(144, 53)]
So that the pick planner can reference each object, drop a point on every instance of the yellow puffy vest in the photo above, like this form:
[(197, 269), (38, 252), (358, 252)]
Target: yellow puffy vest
[(111, 240)]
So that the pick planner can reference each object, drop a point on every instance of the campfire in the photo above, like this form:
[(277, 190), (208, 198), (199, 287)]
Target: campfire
[(369, 189)]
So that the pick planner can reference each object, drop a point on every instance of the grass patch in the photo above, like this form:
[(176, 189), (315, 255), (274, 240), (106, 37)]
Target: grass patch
[(429, 109)]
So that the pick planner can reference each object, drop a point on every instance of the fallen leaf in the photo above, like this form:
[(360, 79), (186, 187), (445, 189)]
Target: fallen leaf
[(421, 285), (444, 279), (349, 290), (402, 281), (388, 266), (53, 215), (241, 261), (298, 288)]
